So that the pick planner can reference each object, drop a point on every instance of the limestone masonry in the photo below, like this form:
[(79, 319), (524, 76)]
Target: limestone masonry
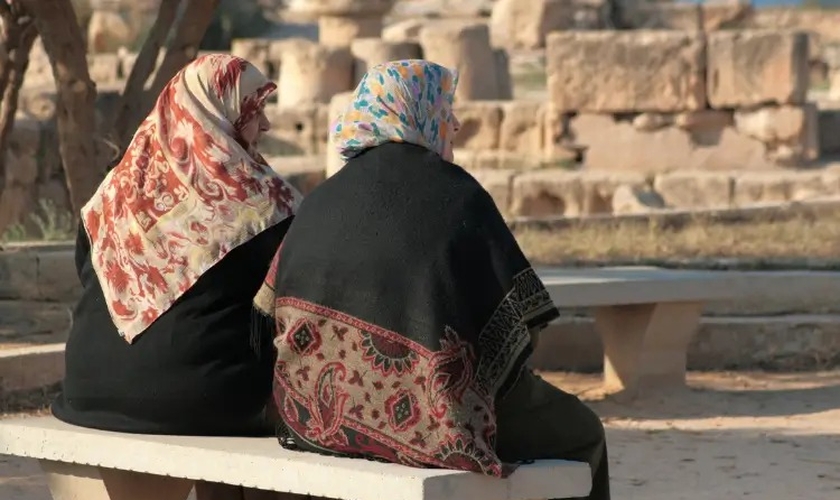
[(695, 106)]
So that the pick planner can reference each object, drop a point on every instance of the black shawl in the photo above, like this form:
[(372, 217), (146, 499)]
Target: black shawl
[(401, 307)]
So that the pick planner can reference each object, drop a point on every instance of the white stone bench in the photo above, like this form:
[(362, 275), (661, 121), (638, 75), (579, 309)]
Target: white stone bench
[(85, 464), (645, 317)]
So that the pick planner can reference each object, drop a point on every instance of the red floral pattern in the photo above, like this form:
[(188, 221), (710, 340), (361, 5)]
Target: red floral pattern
[(186, 192), (408, 405)]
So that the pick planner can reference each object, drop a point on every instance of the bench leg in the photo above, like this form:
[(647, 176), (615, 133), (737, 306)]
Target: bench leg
[(645, 346), (217, 491), (85, 482)]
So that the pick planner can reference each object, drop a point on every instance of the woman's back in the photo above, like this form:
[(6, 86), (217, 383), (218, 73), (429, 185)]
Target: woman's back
[(193, 371), (172, 246)]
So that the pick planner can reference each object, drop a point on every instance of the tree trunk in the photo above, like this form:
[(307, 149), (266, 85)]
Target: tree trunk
[(131, 109), (183, 48), (55, 20), (20, 35)]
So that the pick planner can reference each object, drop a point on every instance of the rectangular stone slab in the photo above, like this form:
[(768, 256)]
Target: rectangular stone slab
[(626, 71), (262, 464)]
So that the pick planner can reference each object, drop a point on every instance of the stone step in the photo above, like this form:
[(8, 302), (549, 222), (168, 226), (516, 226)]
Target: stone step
[(789, 342), (31, 367)]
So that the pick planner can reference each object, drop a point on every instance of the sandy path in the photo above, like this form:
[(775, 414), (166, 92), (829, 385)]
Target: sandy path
[(735, 436)]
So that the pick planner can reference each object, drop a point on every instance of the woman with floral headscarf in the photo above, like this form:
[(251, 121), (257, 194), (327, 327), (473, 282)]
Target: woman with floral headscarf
[(171, 248), (403, 309)]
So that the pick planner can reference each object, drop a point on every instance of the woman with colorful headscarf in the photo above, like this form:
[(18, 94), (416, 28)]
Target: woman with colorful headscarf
[(403, 309), (172, 246)]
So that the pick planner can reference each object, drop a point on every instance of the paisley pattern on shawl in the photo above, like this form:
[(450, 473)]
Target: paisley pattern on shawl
[(185, 193)]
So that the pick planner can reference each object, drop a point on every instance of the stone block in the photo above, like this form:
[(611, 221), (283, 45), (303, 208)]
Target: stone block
[(626, 71), (790, 133), (547, 192), (555, 192), (498, 183), (628, 199), (313, 73), (369, 52), (522, 127), (524, 24), (652, 143), (18, 275), (695, 189), (294, 131), (779, 187), (480, 124), (407, 30), (756, 67), (466, 48), (621, 146), (104, 68), (58, 280), (503, 160), (340, 31)]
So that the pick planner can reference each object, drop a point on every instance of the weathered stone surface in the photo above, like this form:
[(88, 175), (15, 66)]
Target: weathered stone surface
[(29, 322), (524, 24), (338, 104), (107, 31), (295, 131), (465, 47), (104, 68), (626, 71), (480, 124), (407, 30), (779, 187), (547, 192), (627, 199), (18, 275), (312, 74), (561, 192), (522, 127), (501, 160), (695, 189), (725, 14), (771, 124), (498, 183), (754, 67), (834, 85), (369, 52), (340, 31), (58, 280), (702, 140)]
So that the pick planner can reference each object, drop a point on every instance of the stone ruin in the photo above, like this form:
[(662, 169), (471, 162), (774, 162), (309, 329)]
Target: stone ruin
[(684, 115)]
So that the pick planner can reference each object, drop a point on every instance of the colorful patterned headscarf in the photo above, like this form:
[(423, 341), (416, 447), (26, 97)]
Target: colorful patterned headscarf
[(186, 192), (399, 101)]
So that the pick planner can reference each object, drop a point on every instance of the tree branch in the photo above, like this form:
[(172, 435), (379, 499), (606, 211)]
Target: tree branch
[(131, 109), (189, 31), (20, 35)]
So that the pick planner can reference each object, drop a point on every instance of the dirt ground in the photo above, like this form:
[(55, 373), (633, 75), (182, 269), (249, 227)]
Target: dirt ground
[(732, 436)]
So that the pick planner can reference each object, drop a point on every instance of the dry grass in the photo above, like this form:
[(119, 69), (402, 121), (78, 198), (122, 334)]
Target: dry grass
[(798, 237)]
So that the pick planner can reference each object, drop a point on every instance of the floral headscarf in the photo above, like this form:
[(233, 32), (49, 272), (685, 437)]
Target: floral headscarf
[(399, 101), (186, 192)]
